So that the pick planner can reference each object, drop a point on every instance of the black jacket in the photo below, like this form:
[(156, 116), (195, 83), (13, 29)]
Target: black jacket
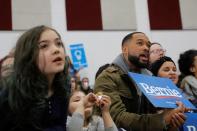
[(51, 118)]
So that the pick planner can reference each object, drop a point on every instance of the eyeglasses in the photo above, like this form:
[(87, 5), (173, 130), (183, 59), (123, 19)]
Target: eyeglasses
[(158, 51)]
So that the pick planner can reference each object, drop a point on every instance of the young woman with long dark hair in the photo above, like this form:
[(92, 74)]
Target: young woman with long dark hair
[(34, 96)]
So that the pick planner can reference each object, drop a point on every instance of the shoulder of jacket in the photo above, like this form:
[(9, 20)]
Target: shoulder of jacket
[(187, 79), (112, 68)]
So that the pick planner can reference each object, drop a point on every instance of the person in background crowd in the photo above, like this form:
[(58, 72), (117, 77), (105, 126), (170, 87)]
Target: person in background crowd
[(74, 85), (74, 76), (81, 117), (35, 97), (6, 64), (188, 68), (165, 67), (155, 52), (85, 87), (129, 108)]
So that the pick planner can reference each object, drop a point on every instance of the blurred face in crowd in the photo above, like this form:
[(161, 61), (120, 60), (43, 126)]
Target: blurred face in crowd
[(6, 66), (193, 69), (51, 57), (85, 83), (168, 70), (76, 100), (136, 50), (156, 51), (73, 84)]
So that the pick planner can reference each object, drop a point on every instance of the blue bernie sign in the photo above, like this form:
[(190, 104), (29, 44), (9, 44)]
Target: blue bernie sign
[(190, 123), (78, 56), (161, 92)]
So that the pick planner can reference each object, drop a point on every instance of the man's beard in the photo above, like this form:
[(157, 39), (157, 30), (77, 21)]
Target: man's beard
[(136, 62)]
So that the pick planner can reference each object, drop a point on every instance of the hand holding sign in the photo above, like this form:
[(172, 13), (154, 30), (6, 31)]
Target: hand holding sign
[(176, 117), (161, 92)]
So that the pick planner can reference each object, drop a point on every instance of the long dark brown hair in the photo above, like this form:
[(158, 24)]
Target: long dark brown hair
[(27, 86)]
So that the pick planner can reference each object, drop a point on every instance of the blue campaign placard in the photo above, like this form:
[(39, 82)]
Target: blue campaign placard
[(161, 92), (190, 123), (78, 56)]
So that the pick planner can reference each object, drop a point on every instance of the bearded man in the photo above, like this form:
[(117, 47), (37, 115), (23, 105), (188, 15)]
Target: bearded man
[(130, 109)]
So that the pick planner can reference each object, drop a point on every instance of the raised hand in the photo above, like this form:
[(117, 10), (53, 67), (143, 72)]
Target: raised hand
[(90, 99), (105, 103)]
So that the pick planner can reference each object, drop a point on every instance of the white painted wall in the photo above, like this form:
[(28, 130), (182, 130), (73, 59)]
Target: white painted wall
[(103, 46)]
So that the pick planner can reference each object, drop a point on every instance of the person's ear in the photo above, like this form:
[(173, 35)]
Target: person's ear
[(192, 69), (124, 49)]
